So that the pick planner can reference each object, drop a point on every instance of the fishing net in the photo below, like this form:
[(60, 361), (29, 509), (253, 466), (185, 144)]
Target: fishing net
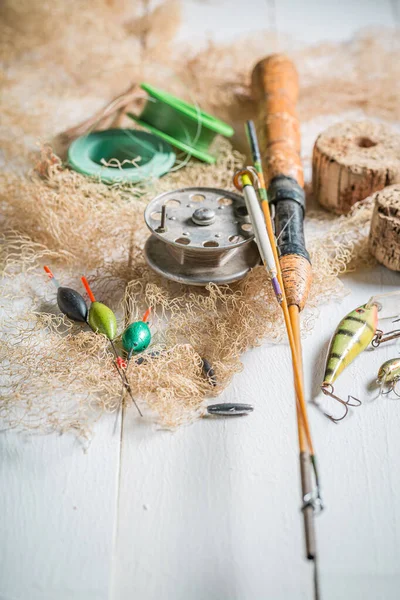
[(57, 375)]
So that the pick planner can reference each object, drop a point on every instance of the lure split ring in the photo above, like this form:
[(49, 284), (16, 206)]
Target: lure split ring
[(381, 337)]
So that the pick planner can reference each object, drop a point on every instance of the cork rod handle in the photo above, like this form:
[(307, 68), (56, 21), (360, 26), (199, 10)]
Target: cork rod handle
[(276, 88)]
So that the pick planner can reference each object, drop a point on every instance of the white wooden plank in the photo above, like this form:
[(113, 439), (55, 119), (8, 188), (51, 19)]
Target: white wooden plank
[(202, 509), (396, 11), (57, 509), (322, 20), (212, 510), (359, 536), (223, 21)]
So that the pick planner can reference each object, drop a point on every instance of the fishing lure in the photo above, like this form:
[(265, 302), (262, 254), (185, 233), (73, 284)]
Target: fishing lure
[(353, 334), (389, 375)]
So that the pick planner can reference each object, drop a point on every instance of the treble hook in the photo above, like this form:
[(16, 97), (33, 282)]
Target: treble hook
[(328, 390), (391, 388)]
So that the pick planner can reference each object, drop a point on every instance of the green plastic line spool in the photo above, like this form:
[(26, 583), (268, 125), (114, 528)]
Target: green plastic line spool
[(181, 124), (86, 153)]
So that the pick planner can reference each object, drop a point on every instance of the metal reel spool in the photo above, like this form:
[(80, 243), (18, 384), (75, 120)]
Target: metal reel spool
[(200, 235)]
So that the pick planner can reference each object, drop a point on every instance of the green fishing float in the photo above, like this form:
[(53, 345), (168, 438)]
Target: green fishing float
[(100, 318), (181, 124), (136, 337)]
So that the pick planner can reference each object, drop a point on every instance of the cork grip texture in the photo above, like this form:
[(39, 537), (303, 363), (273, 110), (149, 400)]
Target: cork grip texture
[(275, 88), (384, 237), (297, 275), (352, 160)]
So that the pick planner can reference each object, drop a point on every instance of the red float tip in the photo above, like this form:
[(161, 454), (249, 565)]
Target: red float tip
[(146, 315), (51, 276), (87, 288), (48, 271)]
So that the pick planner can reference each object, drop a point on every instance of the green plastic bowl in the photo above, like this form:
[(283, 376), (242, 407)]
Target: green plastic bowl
[(181, 124), (86, 153)]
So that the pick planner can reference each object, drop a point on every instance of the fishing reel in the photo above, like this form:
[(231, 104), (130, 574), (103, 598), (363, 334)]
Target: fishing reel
[(200, 235)]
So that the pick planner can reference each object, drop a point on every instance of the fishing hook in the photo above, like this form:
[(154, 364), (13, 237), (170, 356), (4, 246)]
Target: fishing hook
[(328, 390), (391, 388)]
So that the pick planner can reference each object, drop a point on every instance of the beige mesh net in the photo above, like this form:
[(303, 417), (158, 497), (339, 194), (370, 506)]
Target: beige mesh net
[(58, 70)]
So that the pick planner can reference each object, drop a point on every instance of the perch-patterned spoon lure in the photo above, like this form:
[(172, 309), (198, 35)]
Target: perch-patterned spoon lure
[(353, 334)]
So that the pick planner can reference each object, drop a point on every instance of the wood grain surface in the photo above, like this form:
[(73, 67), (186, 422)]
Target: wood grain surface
[(210, 511)]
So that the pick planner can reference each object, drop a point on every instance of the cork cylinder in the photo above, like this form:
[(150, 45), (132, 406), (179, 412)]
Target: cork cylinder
[(351, 161), (384, 236)]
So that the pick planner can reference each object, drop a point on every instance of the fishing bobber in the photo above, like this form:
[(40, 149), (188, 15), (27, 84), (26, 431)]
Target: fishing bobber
[(200, 235), (136, 337), (384, 236), (100, 318), (351, 161), (69, 301)]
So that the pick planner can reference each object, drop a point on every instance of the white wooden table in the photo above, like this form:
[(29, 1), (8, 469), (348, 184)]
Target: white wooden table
[(211, 511)]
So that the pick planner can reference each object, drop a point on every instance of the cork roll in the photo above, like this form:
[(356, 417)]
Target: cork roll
[(352, 160), (384, 236)]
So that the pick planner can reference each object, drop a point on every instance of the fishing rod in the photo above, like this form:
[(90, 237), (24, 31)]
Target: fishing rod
[(244, 181), (275, 89), (305, 440)]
